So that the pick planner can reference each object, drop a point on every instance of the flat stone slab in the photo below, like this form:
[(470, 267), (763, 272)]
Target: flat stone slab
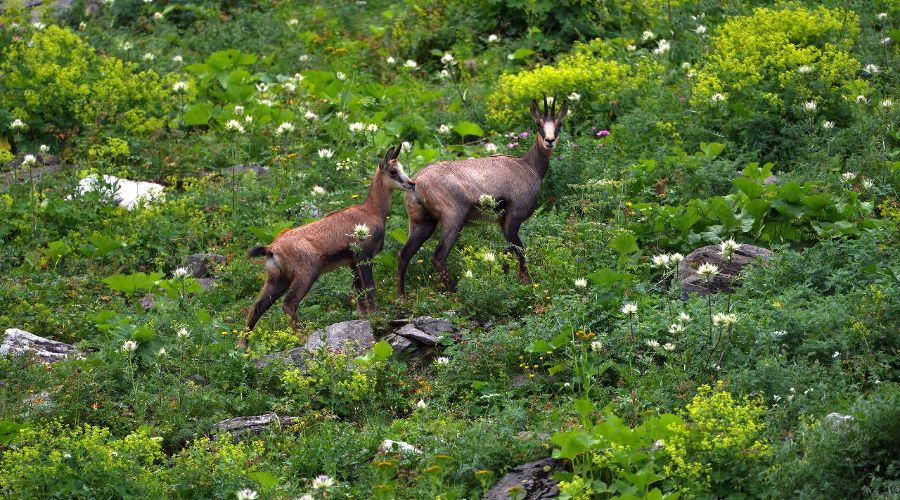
[(397, 342), (18, 342), (412, 333), (530, 481), (243, 426), (348, 336)]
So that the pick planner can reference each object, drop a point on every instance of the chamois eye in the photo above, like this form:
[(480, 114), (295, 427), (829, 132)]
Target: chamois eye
[(392, 170)]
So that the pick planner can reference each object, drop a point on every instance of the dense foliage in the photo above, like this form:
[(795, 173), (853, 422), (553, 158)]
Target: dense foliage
[(692, 123)]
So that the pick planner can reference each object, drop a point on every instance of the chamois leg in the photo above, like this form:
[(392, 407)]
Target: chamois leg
[(419, 232), (357, 286), (298, 289), (450, 230), (368, 286), (511, 225), (272, 291)]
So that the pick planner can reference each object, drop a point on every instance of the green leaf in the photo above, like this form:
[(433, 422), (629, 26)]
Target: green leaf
[(198, 113), (129, 283), (624, 243), (465, 128), (711, 149), (817, 202), (382, 350), (264, 478), (750, 187), (143, 334), (523, 53), (399, 234), (608, 278), (9, 430)]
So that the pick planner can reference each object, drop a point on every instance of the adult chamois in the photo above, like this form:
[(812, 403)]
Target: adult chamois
[(449, 192), (348, 237)]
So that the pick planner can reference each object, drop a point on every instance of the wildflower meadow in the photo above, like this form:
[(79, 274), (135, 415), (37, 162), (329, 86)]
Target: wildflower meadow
[(702, 302)]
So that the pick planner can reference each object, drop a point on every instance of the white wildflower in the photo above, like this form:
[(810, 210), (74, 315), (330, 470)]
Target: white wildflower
[(848, 176), (723, 319), (361, 231), (148, 56), (293, 22), (289, 87), (234, 126), (887, 103), (340, 76), (490, 147), (489, 257), (180, 87), (717, 97), (700, 30), (158, 16), (248, 119), (872, 68), (631, 47), (669, 346), (596, 346), (861, 99), (652, 344), (629, 308), (447, 59), (129, 346), (581, 283), (238, 110), (827, 125), (662, 260), (868, 183), (469, 274), (443, 129), (684, 317), (177, 59), (44, 149), (247, 494), (810, 106), (182, 333), (310, 116), (884, 41), (707, 271), (444, 74), (574, 96), (318, 190), (357, 126), (181, 272), (127, 45), (372, 127), (390, 60), (882, 16), (161, 351), (29, 160), (804, 69), (422, 404), (836, 354), (325, 153), (298, 77), (676, 328), (262, 87), (284, 128), (17, 124), (662, 47), (648, 35), (265, 102), (442, 360), (676, 258), (492, 38), (411, 64), (406, 146), (728, 247)]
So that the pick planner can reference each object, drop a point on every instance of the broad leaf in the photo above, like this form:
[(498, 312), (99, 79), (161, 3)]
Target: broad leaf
[(465, 128)]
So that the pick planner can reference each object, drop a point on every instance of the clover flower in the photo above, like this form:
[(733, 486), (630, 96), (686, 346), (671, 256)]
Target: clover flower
[(629, 308), (447, 59), (28, 160), (490, 147), (652, 344), (129, 346), (411, 64), (390, 60), (728, 247), (310, 116), (44, 149), (676, 258), (596, 346), (372, 127), (662, 260), (648, 35), (581, 283), (318, 190), (684, 317), (357, 126), (669, 346), (322, 482), (443, 129), (340, 76), (181, 272), (17, 124), (676, 328), (182, 333), (325, 153)]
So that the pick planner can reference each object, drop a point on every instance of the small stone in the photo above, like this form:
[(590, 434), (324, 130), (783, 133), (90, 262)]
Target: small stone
[(202, 265), (411, 332), (196, 379), (19, 342), (389, 446), (398, 342), (532, 481), (206, 283), (147, 302), (242, 426)]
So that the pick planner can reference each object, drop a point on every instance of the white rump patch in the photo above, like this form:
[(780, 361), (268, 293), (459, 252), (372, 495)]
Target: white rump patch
[(126, 193)]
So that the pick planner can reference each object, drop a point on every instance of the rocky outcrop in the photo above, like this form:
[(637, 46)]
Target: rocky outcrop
[(348, 336), (691, 282), (18, 342), (244, 426), (203, 265), (530, 481)]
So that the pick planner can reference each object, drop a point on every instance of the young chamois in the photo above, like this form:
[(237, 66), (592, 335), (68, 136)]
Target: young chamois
[(348, 237), (449, 193)]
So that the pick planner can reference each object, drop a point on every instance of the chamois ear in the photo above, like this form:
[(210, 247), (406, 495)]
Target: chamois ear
[(388, 156), (535, 113), (397, 151), (562, 111)]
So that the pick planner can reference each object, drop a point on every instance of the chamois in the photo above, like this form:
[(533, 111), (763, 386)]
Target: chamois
[(449, 193), (348, 237)]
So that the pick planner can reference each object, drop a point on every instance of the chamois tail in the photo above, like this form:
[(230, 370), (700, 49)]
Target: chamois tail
[(258, 252)]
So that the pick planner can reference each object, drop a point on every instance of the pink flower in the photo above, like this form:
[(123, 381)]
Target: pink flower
[(512, 145), (603, 133), (523, 135)]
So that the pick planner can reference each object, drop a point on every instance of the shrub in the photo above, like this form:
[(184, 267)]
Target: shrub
[(586, 71), (56, 81)]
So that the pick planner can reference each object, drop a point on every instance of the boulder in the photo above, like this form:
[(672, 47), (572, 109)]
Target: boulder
[(348, 336), (202, 265), (424, 330), (243, 426), (397, 342), (691, 282), (531, 481), (19, 342), (412, 333), (127, 193)]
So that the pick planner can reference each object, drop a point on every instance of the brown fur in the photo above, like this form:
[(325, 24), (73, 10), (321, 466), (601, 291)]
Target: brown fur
[(298, 256), (448, 193)]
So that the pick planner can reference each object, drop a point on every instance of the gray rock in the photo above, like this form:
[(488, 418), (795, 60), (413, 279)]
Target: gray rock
[(531, 481), (206, 283), (19, 342), (255, 168), (196, 379), (243, 426), (397, 342), (433, 326), (147, 302), (412, 333), (691, 282), (201, 265), (39, 399), (772, 179), (349, 336)]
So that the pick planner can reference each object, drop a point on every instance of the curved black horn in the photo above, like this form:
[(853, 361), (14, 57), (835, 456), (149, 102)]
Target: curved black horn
[(545, 104)]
